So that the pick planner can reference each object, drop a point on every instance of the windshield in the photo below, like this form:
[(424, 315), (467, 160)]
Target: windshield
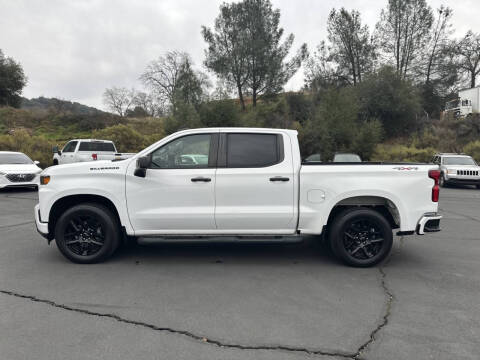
[(347, 158), (14, 159), (460, 160)]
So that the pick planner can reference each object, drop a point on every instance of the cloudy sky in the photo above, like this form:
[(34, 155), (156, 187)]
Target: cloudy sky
[(74, 49)]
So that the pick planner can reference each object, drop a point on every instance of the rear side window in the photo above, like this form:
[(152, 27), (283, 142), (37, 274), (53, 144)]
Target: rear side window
[(253, 150), (96, 146), (70, 147)]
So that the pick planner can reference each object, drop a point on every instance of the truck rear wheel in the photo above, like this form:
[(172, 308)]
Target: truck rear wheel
[(361, 237), (87, 233)]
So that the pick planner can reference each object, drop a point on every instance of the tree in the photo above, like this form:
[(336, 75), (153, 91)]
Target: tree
[(438, 42), (268, 71), (118, 100), (321, 72), (246, 48), (191, 85), (12, 81), (468, 52), (386, 96), (171, 77), (149, 103), (351, 47), (226, 53), (403, 32)]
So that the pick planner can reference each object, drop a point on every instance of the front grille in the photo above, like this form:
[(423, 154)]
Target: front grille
[(467, 172), (20, 177)]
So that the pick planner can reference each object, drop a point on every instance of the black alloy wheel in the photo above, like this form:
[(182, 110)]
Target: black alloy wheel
[(361, 237), (87, 233)]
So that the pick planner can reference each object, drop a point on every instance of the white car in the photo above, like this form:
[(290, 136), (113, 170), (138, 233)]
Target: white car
[(82, 150), (18, 170), (457, 169), (249, 183)]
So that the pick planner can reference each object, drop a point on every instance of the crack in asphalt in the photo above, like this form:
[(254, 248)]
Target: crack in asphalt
[(388, 308), (186, 333), (19, 224), (334, 353), (357, 355)]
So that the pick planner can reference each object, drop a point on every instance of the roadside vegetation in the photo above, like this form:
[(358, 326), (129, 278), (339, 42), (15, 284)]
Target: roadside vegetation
[(376, 92)]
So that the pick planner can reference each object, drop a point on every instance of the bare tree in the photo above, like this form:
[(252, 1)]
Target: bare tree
[(171, 77), (403, 32), (438, 42), (118, 100), (468, 52), (148, 102)]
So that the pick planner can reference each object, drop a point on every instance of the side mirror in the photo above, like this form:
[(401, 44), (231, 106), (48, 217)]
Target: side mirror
[(142, 165)]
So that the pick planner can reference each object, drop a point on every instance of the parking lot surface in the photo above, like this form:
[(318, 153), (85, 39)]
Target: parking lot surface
[(238, 301)]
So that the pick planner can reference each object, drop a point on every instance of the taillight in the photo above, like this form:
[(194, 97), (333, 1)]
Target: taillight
[(94, 156), (435, 175)]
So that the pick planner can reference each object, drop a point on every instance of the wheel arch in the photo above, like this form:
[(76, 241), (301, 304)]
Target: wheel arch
[(66, 202), (381, 204)]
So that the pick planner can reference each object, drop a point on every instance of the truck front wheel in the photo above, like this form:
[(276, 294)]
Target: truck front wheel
[(360, 237), (87, 233)]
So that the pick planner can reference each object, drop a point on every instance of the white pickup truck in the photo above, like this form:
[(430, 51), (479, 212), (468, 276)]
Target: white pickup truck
[(81, 150), (239, 182)]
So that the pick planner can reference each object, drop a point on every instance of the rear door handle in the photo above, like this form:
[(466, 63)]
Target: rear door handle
[(279, 178), (200, 178)]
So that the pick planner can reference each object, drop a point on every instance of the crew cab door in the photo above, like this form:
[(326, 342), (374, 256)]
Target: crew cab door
[(255, 184), (68, 153), (177, 194)]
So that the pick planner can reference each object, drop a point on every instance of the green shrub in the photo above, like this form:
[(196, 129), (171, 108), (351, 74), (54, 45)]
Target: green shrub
[(473, 149), (125, 138), (35, 147), (402, 153)]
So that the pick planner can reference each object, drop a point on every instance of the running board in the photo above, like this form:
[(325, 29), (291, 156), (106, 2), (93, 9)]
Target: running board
[(221, 239)]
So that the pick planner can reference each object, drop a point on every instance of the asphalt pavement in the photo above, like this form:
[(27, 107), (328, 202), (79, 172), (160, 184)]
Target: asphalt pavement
[(239, 301)]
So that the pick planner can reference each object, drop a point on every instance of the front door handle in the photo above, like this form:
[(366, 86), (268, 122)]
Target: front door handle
[(279, 178), (200, 178)]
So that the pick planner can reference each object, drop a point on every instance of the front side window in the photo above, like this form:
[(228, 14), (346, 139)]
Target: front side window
[(252, 150), (187, 152), (70, 147)]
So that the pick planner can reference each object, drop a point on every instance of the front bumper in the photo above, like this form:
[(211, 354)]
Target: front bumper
[(462, 180), (5, 183), (429, 223), (42, 227)]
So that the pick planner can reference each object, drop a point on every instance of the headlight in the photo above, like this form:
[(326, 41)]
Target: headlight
[(452, 172), (44, 179)]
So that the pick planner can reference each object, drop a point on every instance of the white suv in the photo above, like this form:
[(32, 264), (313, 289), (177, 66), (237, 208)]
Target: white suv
[(457, 169)]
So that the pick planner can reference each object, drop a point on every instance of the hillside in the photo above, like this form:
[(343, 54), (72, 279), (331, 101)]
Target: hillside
[(59, 105)]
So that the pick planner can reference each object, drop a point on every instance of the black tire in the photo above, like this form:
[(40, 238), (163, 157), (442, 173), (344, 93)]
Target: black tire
[(442, 181), (87, 233), (360, 237)]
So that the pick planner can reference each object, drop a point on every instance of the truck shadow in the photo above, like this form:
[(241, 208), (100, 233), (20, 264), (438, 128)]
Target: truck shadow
[(307, 251)]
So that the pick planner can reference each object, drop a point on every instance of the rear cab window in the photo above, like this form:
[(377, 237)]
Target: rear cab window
[(252, 150), (96, 146)]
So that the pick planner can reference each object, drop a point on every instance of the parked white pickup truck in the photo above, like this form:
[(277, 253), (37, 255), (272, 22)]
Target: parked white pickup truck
[(252, 185), (81, 150)]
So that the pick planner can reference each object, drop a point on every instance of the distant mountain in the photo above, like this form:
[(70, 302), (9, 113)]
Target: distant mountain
[(42, 103)]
